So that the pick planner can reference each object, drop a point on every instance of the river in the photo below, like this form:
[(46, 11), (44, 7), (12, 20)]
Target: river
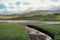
[(30, 21)]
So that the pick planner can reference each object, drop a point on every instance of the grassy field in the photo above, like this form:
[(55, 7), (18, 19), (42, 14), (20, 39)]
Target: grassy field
[(10, 31), (7, 17), (54, 29)]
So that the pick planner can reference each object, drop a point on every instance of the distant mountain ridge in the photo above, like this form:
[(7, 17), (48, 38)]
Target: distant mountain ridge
[(9, 14), (25, 12)]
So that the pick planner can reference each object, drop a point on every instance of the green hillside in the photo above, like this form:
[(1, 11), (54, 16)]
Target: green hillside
[(42, 17), (34, 16)]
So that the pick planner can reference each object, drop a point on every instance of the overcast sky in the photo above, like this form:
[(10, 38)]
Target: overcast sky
[(23, 5)]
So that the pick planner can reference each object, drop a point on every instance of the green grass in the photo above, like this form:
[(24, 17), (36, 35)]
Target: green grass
[(12, 31), (54, 29)]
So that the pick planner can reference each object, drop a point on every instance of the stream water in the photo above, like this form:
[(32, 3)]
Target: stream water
[(36, 35)]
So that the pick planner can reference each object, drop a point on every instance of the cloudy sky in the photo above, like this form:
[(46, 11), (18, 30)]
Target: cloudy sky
[(23, 5)]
